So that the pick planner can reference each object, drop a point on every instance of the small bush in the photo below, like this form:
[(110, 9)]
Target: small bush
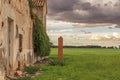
[(57, 62), (32, 69), (24, 78)]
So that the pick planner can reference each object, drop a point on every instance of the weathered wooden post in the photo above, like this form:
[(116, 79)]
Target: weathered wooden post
[(60, 48)]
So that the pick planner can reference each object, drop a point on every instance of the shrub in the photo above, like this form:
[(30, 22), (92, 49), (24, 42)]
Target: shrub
[(57, 63), (32, 69), (24, 78)]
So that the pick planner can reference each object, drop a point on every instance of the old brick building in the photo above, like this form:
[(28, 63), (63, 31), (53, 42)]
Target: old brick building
[(16, 33)]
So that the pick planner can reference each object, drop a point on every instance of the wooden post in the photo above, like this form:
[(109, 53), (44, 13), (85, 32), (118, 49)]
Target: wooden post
[(60, 48)]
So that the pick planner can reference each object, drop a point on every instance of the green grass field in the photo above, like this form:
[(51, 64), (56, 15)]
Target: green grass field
[(84, 64)]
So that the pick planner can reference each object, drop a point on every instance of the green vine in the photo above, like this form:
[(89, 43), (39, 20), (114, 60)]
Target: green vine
[(40, 39), (41, 42), (31, 6)]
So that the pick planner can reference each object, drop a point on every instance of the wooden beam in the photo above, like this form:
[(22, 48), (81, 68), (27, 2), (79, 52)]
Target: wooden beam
[(39, 3)]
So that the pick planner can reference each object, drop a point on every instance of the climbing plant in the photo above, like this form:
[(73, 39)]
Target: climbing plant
[(40, 39), (41, 42), (31, 6)]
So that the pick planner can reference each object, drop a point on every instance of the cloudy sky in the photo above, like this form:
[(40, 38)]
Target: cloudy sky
[(81, 21)]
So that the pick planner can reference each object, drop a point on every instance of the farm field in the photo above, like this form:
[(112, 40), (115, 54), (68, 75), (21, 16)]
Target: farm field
[(83, 64)]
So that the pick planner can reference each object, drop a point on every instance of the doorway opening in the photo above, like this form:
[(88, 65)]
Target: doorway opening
[(10, 43)]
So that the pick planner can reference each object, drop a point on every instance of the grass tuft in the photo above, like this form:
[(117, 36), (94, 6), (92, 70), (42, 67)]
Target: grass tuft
[(32, 69), (24, 78), (57, 63)]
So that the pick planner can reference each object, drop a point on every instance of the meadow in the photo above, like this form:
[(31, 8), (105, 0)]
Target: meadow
[(83, 64)]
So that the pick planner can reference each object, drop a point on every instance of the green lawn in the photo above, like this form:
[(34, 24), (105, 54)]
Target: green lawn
[(84, 64)]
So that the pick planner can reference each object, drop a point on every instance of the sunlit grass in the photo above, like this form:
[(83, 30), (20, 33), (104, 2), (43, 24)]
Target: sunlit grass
[(84, 64)]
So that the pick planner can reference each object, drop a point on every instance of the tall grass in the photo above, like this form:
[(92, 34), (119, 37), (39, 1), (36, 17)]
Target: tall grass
[(84, 64)]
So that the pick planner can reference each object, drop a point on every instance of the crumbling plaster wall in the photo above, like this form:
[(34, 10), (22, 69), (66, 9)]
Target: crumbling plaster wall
[(18, 11), (2, 69)]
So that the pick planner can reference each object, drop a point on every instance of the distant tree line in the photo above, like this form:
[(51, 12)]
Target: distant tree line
[(87, 46)]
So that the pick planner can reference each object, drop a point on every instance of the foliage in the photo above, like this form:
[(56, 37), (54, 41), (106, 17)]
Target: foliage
[(57, 62), (24, 78), (41, 43), (32, 69), (40, 39), (31, 6)]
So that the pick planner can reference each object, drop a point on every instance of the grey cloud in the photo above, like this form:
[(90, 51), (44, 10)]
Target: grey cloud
[(86, 32), (94, 25), (117, 26), (79, 11), (114, 36), (59, 6)]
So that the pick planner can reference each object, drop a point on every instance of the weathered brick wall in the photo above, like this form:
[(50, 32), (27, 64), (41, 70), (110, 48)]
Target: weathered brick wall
[(41, 11), (44, 13)]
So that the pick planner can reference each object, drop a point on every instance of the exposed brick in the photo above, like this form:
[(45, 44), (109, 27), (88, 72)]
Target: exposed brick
[(60, 48)]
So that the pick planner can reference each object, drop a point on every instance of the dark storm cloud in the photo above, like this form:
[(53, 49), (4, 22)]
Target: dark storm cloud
[(59, 6), (84, 11)]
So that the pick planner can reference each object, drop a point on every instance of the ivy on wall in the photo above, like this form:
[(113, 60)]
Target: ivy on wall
[(41, 42), (31, 6), (40, 39)]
